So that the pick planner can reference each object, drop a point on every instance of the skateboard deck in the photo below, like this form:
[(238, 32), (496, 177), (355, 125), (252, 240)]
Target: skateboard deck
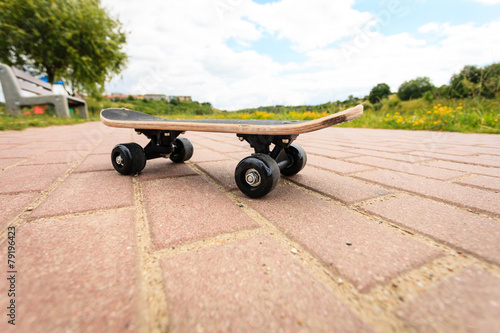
[(133, 119), (255, 175)]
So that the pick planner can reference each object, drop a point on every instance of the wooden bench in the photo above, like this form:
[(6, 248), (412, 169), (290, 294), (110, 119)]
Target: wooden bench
[(15, 81)]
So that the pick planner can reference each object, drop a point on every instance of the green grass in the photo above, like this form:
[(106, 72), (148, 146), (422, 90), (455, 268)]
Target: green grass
[(476, 115), (466, 116), (20, 123)]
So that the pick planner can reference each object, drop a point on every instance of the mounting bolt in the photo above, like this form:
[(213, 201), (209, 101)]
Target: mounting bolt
[(241, 138), (285, 141)]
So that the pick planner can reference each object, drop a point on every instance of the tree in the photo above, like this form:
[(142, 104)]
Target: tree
[(467, 83), (76, 41), (491, 84), (379, 92), (414, 88), (473, 81)]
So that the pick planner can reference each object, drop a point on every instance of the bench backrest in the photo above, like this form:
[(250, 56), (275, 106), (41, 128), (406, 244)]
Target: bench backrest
[(31, 83)]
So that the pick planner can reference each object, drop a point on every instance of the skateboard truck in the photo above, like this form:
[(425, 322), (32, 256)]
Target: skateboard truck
[(255, 175), (261, 144)]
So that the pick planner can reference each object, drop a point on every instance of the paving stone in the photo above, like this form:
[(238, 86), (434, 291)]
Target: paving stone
[(483, 160), (207, 155), (7, 162), (54, 157), (164, 168), (491, 183), (183, 210), (19, 153), (327, 152), (476, 199), (337, 166), (80, 147), (222, 172), (391, 156), (30, 177), (241, 155), (376, 254), (77, 274), (88, 191), (5, 146), (250, 286), (95, 162), (412, 168), (460, 229), (341, 188), (378, 147), (468, 302), (488, 171), (223, 147), (107, 146), (12, 205)]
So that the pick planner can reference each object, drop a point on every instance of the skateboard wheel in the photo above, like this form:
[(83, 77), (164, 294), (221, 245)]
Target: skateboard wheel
[(298, 157), (257, 175), (183, 150), (128, 158)]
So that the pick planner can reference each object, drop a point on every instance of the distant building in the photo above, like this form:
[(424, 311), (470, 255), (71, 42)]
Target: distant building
[(180, 98), (121, 96), (156, 97)]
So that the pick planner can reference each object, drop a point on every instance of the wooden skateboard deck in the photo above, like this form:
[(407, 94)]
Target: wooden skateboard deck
[(255, 175), (138, 120)]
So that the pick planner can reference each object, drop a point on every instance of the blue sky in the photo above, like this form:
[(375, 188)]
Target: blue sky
[(243, 53)]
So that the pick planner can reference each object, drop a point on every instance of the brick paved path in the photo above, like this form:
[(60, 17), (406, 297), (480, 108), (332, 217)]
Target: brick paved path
[(382, 231)]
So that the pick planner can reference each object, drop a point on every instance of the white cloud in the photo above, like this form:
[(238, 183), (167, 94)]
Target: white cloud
[(179, 48), (309, 24)]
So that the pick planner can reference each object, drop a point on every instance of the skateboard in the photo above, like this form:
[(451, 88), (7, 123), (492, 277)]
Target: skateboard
[(255, 175)]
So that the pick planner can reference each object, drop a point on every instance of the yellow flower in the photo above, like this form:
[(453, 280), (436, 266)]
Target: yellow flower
[(429, 111), (388, 115), (496, 119)]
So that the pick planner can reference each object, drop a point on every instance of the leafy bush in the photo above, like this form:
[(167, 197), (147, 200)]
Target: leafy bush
[(380, 91), (394, 102), (473, 81), (429, 96), (414, 88)]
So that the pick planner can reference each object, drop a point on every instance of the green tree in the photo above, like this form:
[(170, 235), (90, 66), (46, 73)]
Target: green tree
[(490, 87), (76, 41), (414, 88), (467, 83), (380, 91)]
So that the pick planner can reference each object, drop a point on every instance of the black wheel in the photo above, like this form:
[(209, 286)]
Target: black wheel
[(298, 156), (183, 150), (128, 158), (257, 175)]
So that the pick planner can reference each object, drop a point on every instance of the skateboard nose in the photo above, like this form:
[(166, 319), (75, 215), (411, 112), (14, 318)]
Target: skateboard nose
[(252, 177)]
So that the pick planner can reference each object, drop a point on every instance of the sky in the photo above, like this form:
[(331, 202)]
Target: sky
[(238, 54)]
